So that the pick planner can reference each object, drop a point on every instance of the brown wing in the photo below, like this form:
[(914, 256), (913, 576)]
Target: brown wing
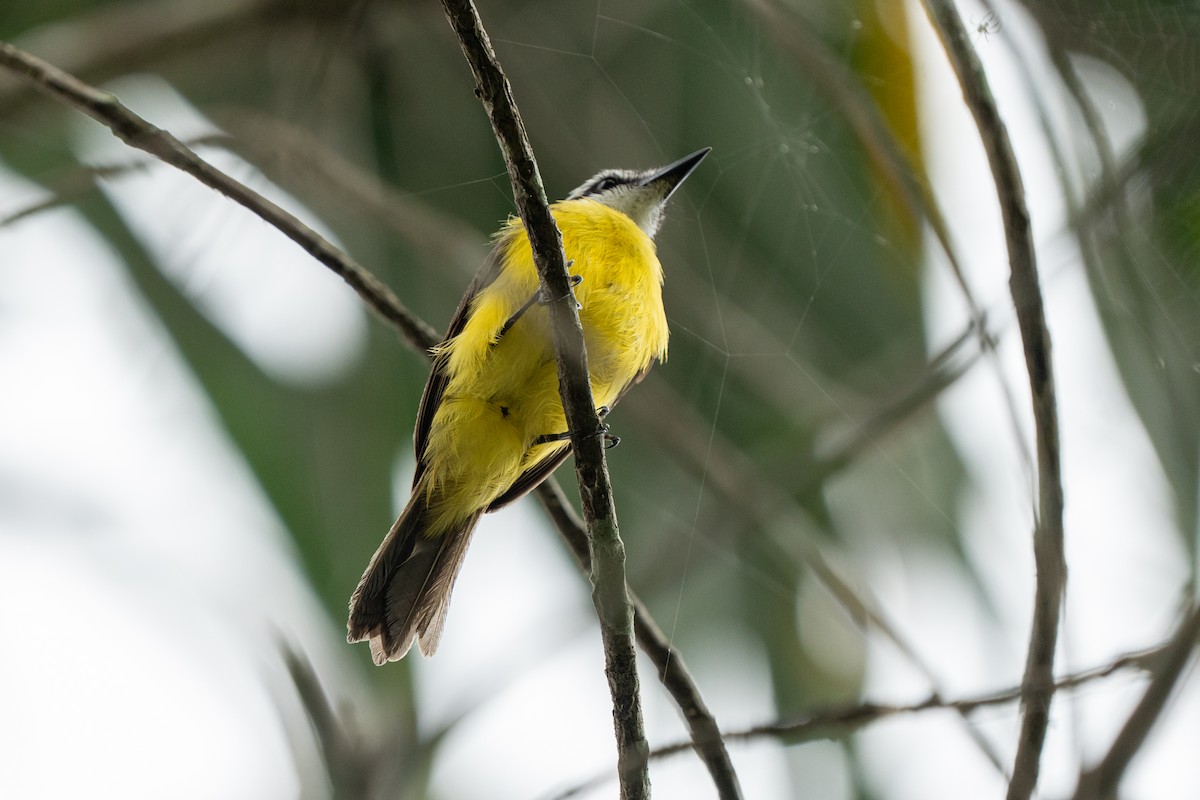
[(431, 398), (532, 477)]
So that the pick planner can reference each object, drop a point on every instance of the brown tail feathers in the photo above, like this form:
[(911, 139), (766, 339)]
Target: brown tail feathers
[(404, 594)]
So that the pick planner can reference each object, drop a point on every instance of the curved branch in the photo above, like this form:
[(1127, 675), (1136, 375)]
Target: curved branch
[(1102, 780), (1035, 336)]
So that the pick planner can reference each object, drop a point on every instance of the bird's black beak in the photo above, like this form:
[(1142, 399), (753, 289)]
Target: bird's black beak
[(673, 175)]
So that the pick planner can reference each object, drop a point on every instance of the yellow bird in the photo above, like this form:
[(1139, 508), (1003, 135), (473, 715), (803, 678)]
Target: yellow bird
[(491, 425)]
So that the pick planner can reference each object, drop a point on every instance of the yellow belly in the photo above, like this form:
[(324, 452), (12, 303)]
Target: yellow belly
[(502, 395)]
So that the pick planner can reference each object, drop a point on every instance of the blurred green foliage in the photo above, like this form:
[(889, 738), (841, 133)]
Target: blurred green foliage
[(793, 266)]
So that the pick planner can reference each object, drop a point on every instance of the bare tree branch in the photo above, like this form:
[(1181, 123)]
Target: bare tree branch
[(1031, 318), (609, 592), (765, 503), (839, 722), (138, 133), (836, 723), (706, 735), (1101, 781)]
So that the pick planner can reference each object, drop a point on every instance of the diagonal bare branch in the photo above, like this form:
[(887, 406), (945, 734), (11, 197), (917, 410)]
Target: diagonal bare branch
[(140, 134), (1102, 780), (834, 723)]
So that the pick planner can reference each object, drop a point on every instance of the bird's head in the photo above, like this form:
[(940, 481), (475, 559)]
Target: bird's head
[(640, 195)]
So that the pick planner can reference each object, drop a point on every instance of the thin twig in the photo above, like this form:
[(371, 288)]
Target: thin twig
[(674, 674), (347, 761), (904, 174), (766, 504), (136, 132), (943, 371), (609, 592), (1101, 781), (292, 155), (837, 723), (1031, 319), (70, 186)]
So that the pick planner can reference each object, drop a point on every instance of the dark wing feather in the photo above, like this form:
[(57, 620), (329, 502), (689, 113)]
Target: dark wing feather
[(641, 376), (404, 594), (431, 398), (532, 477)]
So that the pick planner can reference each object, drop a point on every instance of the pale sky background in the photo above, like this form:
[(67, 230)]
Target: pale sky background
[(144, 578)]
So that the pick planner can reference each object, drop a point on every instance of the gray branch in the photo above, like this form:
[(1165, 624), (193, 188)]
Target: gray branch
[(1031, 319), (609, 593), (836, 723), (706, 735), (1102, 780)]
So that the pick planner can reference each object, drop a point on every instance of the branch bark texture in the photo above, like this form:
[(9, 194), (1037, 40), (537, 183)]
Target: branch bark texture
[(609, 593), (706, 735)]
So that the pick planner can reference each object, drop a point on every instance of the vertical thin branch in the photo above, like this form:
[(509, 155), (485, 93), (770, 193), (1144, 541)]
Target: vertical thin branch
[(1031, 318), (706, 735), (609, 592)]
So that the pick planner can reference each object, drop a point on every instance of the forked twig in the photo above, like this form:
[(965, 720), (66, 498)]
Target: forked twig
[(834, 723), (706, 735)]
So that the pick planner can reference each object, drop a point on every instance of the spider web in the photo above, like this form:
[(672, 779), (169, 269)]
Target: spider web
[(787, 353), (825, 492)]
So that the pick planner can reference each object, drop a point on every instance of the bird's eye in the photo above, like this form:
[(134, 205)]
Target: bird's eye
[(604, 184)]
